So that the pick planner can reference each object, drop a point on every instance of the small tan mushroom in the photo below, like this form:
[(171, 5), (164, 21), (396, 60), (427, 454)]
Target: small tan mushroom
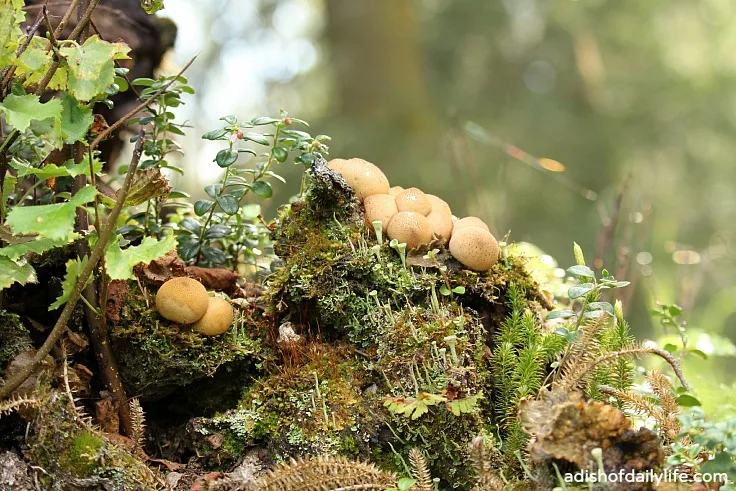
[(411, 228), (183, 300), (475, 248), (380, 207), (441, 224), (217, 319), (365, 178), (469, 222), (412, 199), (394, 191), (438, 204)]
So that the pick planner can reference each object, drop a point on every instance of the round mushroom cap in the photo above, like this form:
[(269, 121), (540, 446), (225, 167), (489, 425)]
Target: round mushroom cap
[(183, 300), (475, 248), (438, 204), (365, 178), (441, 224), (469, 222), (394, 191), (410, 228), (412, 199), (217, 319), (380, 207)]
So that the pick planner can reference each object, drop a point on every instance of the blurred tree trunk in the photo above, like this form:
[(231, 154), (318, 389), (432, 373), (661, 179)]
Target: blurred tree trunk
[(378, 75)]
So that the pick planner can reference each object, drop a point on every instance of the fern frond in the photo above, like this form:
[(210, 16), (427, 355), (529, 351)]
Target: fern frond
[(138, 423), (323, 473), (17, 402), (420, 471), (482, 462)]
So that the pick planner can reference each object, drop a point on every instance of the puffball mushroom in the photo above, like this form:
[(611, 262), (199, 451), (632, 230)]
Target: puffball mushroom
[(441, 224), (469, 222), (183, 300), (438, 204), (394, 191), (217, 319), (412, 199), (365, 178), (410, 228), (475, 248), (381, 207)]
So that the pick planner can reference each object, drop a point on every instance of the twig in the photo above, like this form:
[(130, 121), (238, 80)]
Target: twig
[(59, 328), (137, 109)]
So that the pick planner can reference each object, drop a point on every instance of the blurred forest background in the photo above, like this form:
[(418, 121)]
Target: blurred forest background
[(454, 96)]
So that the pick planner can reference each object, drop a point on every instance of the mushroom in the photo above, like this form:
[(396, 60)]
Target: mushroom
[(469, 222), (438, 204), (410, 228), (183, 300), (475, 248), (412, 199), (441, 224), (379, 207), (394, 191), (217, 319), (365, 178)]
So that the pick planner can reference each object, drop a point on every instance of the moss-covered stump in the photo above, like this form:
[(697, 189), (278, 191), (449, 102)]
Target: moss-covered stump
[(157, 356), (391, 352), (14, 338)]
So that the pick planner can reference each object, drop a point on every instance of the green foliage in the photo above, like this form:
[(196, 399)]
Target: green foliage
[(11, 16), (49, 221), (91, 66), (73, 269), (15, 271), (120, 262), (20, 110), (701, 437), (223, 232)]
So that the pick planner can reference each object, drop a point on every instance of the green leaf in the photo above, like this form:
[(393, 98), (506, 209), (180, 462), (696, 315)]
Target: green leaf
[(73, 268), (53, 221), (215, 135), (11, 17), (445, 291), (405, 483), (48, 171), (91, 67), (460, 290), (578, 253), (202, 206), (256, 137), (35, 61), (686, 400), (76, 119), (15, 272), (120, 262), (228, 203), (263, 120), (578, 291), (600, 306), (698, 353), (226, 157), (580, 271), (280, 154), (34, 244), (20, 110), (262, 189), (560, 314), (152, 6)]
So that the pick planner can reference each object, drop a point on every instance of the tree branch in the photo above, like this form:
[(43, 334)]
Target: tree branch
[(60, 327)]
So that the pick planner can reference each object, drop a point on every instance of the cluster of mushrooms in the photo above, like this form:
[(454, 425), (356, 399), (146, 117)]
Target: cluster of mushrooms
[(414, 218), (186, 301)]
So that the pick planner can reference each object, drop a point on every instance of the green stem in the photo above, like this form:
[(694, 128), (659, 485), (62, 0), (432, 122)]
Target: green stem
[(212, 210)]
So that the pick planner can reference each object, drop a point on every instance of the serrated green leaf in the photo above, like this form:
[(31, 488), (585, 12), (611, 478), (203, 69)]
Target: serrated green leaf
[(73, 268), (15, 272), (76, 119), (35, 61), (20, 110), (53, 221), (48, 171), (120, 262), (11, 17), (36, 245), (91, 67)]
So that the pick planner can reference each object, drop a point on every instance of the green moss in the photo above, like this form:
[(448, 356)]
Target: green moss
[(82, 457), (157, 356)]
